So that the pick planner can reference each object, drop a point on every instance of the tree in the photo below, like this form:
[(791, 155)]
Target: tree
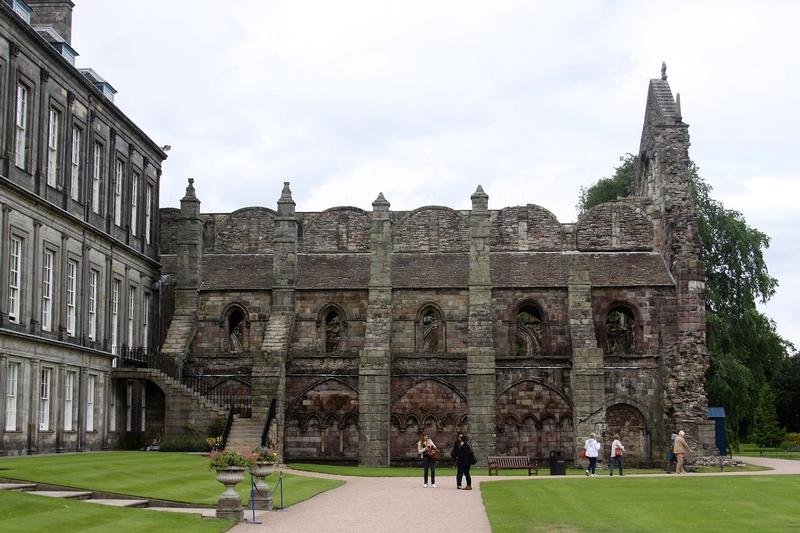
[(766, 432), (787, 394), (744, 347), (608, 189)]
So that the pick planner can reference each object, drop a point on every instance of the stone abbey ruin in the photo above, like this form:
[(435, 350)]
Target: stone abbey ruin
[(369, 327)]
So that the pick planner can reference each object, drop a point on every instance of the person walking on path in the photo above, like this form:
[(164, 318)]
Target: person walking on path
[(672, 459), (592, 448), (454, 456), (428, 452), (680, 448), (464, 461), (616, 455)]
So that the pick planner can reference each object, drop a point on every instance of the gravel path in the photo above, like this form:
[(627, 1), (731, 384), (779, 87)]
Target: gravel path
[(401, 504)]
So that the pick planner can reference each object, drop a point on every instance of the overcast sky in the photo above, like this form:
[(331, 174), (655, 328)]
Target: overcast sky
[(424, 100)]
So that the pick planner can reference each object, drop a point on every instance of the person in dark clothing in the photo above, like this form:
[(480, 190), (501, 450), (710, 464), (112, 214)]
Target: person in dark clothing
[(464, 462), (454, 456)]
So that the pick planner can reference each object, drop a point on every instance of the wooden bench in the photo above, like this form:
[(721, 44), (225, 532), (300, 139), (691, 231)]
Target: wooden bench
[(500, 462)]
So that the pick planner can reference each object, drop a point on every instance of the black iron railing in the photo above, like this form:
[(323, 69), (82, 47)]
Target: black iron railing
[(209, 386), (227, 431), (270, 419)]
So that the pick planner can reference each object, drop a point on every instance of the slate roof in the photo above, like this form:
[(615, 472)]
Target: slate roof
[(236, 271)]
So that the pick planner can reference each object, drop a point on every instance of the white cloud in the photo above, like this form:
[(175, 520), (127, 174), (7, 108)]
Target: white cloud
[(425, 100)]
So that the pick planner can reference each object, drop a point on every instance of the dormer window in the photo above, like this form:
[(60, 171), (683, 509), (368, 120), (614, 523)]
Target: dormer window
[(58, 42), (22, 9), (101, 84)]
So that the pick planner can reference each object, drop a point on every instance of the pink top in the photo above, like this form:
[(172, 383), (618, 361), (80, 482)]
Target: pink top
[(614, 445)]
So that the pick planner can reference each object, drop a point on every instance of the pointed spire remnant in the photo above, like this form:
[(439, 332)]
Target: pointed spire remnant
[(380, 201), (190, 205), (286, 193), (190, 192), (664, 70), (678, 105), (480, 200)]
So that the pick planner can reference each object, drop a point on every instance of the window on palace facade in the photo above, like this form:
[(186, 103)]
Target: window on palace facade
[(47, 290), (72, 286), (620, 331), (529, 331), (53, 131), (430, 330)]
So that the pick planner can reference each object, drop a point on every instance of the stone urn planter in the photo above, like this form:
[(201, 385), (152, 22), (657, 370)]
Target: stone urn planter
[(262, 496), (230, 503)]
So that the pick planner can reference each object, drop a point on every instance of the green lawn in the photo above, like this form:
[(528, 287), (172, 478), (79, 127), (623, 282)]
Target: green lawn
[(707, 504), (403, 471), (179, 477), (25, 512), (752, 450)]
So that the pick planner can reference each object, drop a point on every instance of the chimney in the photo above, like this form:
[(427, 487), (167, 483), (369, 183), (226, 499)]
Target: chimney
[(55, 13)]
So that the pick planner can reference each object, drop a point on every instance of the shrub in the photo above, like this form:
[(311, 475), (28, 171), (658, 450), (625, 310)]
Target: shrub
[(183, 443), (216, 427)]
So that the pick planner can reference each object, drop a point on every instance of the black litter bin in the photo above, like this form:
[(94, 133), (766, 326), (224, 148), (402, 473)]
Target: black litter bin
[(558, 463)]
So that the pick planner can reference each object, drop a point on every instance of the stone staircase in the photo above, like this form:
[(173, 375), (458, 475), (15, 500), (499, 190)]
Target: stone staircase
[(183, 326), (183, 405), (276, 336), (245, 434)]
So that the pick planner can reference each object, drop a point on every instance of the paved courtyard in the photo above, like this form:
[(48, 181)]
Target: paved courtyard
[(369, 504)]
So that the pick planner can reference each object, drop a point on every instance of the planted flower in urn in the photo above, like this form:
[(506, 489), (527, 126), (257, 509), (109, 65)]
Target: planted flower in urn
[(262, 454), (262, 464), (230, 466)]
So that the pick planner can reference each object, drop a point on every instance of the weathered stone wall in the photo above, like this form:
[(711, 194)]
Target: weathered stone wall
[(642, 303), (553, 305), (615, 226), (246, 230), (308, 336), (523, 228), (339, 229), (432, 229), (406, 319), (436, 406)]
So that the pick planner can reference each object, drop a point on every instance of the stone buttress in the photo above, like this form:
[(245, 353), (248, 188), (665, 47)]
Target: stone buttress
[(269, 369), (481, 383), (375, 359)]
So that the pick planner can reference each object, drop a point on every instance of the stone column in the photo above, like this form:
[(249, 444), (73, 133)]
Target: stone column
[(374, 390), (588, 381), (481, 381)]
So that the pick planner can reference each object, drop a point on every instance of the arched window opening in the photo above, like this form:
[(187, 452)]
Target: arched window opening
[(620, 331), (529, 331), (431, 323), (334, 330), (236, 325)]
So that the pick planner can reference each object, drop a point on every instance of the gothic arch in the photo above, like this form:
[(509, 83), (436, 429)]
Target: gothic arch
[(528, 329), (538, 382), (316, 385), (442, 382), (620, 333), (430, 329), (234, 327), (332, 329), (629, 422)]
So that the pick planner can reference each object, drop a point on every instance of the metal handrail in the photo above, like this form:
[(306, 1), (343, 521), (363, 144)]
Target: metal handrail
[(273, 407), (227, 431)]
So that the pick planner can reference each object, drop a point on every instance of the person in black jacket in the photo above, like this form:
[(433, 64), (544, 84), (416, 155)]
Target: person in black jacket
[(464, 460), (454, 456)]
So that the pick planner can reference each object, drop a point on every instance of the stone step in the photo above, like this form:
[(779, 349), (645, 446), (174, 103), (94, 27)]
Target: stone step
[(17, 486), (205, 512), (119, 502), (66, 494)]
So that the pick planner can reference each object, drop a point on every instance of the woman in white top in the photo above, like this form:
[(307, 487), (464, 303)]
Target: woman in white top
[(592, 448), (616, 455), (425, 448)]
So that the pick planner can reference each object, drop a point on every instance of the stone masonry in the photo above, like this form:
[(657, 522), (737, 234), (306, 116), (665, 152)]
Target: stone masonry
[(370, 328)]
